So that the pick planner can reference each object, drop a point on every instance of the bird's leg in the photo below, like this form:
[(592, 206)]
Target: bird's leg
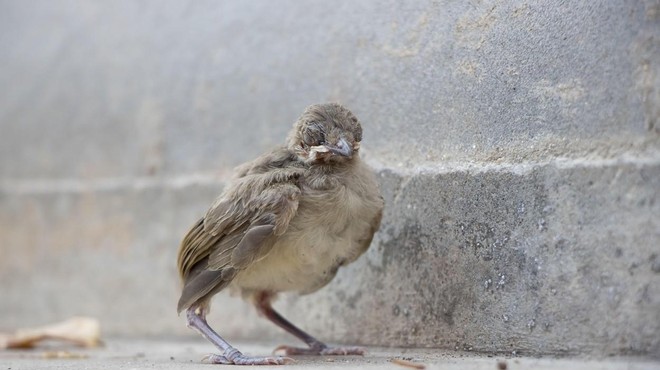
[(316, 347), (230, 355)]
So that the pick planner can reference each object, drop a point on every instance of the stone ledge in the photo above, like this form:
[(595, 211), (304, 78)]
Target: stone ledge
[(210, 178)]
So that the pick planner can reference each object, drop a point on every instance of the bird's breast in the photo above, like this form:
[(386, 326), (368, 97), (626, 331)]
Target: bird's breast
[(328, 231)]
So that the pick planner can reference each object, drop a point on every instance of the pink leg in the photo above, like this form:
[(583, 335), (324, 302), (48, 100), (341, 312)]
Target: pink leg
[(230, 354), (316, 347)]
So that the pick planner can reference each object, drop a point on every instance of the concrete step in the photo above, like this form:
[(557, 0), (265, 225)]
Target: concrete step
[(557, 258)]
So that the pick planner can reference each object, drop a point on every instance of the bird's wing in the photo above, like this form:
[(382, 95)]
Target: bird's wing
[(252, 230), (241, 227)]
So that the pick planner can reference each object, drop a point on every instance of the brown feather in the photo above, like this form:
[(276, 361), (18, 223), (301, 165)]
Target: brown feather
[(253, 246)]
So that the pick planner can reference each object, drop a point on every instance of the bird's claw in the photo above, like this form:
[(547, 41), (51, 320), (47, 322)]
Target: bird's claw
[(320, 351), (240, 359), (343, 351)]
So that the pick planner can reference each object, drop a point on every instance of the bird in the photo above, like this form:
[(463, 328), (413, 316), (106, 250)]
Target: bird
[(285, 222)]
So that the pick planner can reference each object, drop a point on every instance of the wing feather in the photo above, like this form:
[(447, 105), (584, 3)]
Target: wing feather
[(241, 227)]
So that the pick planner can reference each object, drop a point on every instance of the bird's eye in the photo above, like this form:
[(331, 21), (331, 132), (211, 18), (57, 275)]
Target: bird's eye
[(313, 135), (358, 133)]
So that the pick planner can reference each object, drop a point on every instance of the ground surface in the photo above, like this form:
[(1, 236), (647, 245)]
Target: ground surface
[(186, 354)]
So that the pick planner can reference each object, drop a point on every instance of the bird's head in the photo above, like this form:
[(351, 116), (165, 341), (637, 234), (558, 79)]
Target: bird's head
[(326, 133)]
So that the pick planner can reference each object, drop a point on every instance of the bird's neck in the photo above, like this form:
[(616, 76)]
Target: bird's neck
[(333, 168), (330, 175)]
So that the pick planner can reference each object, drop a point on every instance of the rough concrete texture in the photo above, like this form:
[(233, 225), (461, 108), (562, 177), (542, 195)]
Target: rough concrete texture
[(517, 145), (185, 354)]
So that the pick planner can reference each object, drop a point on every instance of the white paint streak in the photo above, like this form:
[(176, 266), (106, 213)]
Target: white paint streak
[(515, 168), (54, 186)]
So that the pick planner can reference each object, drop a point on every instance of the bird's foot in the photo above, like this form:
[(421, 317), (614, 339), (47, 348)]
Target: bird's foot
[(237, 358), (320, 351)]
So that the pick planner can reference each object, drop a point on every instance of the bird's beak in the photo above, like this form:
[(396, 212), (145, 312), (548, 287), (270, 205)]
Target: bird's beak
[(342, 148)]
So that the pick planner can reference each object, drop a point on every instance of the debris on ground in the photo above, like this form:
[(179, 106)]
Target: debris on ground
[(82, 331), (408, 363)]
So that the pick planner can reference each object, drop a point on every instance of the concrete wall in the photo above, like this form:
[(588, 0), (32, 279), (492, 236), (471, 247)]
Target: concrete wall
[(517, 145)]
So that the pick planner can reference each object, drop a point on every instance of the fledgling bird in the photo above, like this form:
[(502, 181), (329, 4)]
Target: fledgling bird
[(286, 222)]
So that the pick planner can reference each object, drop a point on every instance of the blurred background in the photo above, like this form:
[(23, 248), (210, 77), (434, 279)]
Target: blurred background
[(517, 145)]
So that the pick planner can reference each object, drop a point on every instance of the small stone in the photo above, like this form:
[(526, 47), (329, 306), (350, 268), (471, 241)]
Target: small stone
[(655, 266)]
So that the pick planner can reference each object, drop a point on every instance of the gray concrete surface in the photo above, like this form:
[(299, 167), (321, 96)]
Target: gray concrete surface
[(185, 354), (517, 146)]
